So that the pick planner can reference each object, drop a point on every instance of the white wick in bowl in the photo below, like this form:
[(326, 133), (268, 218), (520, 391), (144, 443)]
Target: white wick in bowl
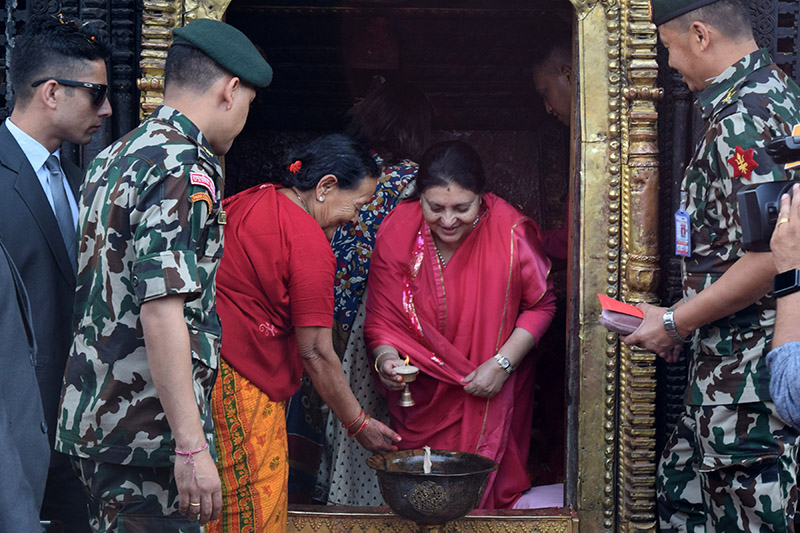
[(426, 461)]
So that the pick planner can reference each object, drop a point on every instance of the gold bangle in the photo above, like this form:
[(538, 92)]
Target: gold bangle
[(378, 358), (364, 424)]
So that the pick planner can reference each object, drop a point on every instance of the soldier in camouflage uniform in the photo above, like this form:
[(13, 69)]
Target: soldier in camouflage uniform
[(731, 463), (144, 360)]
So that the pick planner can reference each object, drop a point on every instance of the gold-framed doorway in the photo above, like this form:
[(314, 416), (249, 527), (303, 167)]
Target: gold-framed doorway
[(610, 483)]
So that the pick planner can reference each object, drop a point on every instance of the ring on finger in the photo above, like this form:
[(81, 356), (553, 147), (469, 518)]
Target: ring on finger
[(194, 504), (782, 220)]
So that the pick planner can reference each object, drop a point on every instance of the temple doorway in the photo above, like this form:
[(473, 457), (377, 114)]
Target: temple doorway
[(475, 64)]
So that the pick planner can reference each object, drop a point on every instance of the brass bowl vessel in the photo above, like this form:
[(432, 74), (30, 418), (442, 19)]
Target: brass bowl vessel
[(453, 488)]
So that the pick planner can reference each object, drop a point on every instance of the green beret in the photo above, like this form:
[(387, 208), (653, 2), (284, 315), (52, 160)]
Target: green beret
[(666, 10), (227, 46)]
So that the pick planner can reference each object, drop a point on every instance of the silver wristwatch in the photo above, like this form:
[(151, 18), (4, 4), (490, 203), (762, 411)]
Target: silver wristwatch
[(671, 328), (504, 363)]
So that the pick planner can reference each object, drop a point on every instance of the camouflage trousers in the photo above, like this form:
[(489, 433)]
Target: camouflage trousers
[(729, 468), (132, 499)]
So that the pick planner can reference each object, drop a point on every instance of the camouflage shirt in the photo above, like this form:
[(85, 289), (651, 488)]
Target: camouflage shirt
[(745, 107), (148, 228)]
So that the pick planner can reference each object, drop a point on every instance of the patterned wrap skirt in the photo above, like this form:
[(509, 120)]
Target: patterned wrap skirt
[(252, 456)]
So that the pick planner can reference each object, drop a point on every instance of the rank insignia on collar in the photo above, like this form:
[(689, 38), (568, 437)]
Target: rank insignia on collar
[(743, 163), (729, 95)]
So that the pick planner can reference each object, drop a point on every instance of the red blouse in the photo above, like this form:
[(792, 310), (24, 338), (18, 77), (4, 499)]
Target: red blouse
[(277, 273)]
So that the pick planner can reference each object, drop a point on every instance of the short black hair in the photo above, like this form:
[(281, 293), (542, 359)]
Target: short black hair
[(337, 154), (451, 162), (394, 120), (730, 17), (555, 43), (52, 47), (190, 68)]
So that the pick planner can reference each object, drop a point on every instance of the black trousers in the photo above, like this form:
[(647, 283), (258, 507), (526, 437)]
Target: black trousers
[(65, 498)]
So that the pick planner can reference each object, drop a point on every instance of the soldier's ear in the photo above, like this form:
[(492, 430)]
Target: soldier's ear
[(699, 35), (231, 90), (566, 71)]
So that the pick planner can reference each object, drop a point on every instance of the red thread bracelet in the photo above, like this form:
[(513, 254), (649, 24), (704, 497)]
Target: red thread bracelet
[(363, 425), (190, 455), (351, 424)]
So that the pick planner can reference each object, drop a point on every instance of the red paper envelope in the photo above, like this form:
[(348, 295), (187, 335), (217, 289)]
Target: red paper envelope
[(611, 304), (619, 317)]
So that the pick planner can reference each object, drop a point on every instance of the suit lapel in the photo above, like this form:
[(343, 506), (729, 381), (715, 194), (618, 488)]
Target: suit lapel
[(27, 186)]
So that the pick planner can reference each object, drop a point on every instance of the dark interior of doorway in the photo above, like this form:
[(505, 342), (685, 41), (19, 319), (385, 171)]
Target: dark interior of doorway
[(474, 63)]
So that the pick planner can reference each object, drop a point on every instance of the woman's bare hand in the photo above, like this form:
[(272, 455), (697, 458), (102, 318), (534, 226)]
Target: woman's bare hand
[(377, 437), (486, 380)]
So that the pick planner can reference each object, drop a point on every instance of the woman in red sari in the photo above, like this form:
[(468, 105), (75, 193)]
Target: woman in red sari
[(459, 285)]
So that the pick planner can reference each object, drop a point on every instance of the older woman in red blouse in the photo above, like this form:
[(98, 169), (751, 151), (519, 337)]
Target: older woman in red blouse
[(275, 300)]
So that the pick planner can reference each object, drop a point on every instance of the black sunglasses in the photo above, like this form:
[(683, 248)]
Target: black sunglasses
[(98, 90)]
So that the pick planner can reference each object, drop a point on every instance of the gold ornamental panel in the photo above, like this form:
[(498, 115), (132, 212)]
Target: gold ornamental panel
[(159, 17), (310, 519)]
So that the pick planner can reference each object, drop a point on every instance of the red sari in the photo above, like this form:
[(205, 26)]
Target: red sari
[(449, 321)]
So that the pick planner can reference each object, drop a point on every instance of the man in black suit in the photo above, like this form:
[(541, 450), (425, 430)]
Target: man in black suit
[(58, 74), (23, 432)]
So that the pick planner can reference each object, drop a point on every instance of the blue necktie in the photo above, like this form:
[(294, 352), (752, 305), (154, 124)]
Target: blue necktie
[(63, 211)]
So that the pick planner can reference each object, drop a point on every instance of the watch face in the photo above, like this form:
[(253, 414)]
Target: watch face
[(502, 361), (785, 281)]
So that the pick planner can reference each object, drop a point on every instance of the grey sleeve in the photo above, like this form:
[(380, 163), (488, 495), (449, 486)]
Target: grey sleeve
[(784, 384)]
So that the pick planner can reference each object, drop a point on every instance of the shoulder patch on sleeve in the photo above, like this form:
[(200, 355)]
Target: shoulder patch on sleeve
[(203, 197), (198, 178), (742, 162)]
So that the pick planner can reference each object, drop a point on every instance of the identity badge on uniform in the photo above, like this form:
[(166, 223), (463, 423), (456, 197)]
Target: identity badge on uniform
[(683, 244), (683, 239)]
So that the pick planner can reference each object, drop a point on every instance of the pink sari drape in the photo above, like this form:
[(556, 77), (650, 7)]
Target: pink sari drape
[(449, 321)]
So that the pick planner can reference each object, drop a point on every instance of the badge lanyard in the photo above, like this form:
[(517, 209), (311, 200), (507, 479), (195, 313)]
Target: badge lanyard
[(683, 239)]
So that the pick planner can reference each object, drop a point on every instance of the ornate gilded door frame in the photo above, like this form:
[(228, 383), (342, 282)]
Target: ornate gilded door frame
[(616, 176), (611, 470), (639, 264)]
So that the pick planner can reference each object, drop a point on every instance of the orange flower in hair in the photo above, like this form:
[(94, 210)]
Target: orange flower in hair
[(295, 167)]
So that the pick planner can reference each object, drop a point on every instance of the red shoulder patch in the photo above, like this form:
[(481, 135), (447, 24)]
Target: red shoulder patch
[(198, 178), (743, 163)]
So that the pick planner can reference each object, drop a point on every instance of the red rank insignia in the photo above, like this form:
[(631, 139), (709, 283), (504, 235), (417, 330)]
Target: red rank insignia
[(743, 163)]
